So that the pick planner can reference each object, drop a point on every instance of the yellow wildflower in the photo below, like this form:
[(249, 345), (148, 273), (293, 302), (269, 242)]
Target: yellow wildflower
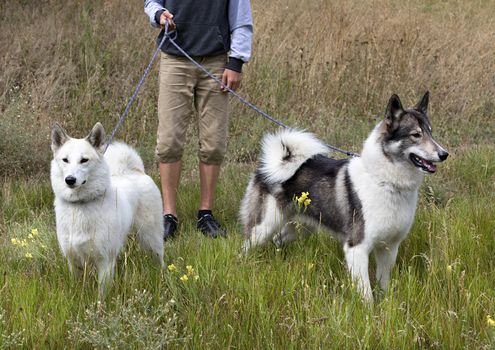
[(190, 270), (29, 255), (14, 241), (302, 198), (30, 236), (196, 277), (490, 321), (34, 232), (184, 278), (449, 268), (172, 268), (23, 243)]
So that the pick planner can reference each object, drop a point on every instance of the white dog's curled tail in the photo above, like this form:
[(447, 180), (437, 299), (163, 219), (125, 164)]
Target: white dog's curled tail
[(122, 159), (284, 152)]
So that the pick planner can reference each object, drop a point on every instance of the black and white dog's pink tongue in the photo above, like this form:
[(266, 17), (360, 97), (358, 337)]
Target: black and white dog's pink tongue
[(430, 166), (425, 165)]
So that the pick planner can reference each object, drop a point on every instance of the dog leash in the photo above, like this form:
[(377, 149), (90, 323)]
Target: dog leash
[(171, 36), (138, 87)]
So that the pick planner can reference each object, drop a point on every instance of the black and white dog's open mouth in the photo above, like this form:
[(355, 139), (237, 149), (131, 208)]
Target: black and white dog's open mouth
[(422, 163)]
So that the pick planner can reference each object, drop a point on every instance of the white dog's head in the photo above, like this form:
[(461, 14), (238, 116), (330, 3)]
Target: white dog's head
[(78, 171)]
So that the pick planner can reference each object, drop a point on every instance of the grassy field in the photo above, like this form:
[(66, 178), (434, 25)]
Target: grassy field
[(325, 66)]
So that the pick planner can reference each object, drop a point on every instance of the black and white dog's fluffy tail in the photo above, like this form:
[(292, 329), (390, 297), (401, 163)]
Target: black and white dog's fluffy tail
[(283, 153)]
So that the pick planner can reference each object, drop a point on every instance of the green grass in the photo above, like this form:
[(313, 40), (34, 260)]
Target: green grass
[(299, 296)]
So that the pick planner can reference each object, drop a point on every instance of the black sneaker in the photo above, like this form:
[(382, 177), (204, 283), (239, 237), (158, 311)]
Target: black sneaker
[(169, 226), (210, 227)]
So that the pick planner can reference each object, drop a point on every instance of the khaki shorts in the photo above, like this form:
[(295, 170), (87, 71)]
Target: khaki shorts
[(185, 89)]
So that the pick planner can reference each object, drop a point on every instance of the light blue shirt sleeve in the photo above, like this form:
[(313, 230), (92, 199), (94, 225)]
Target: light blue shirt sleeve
[(151, 7), (241, 29)]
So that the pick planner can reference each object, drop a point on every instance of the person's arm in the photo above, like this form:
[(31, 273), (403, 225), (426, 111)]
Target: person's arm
[(154, 9), (241, 30)]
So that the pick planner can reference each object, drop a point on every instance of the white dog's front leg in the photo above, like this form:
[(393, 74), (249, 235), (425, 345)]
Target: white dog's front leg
[(357, 263), (106, 271), (75, 270), (385, 257)]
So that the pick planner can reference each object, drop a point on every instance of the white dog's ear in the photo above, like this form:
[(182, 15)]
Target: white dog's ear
[(422, 105), (59, 137), (97, 136), (394, 111)]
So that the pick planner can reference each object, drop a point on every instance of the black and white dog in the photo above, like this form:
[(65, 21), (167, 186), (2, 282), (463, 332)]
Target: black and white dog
[(368, 202)]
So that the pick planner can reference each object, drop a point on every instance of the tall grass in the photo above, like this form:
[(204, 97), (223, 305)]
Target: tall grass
[(328, 66), (299, 296)]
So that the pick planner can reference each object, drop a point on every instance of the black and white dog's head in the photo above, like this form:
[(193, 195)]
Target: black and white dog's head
[(406, 136)]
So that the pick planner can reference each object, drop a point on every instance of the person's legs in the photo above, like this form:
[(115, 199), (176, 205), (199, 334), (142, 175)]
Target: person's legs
[(175, 108), (212, 105), (208, 177), (169, 178)]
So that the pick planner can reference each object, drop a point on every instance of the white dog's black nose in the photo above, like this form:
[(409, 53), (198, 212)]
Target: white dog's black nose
[(70, 180), (443, 155)]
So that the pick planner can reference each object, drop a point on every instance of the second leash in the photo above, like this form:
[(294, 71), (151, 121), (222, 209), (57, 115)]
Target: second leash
[(267, 116), (171, 36)]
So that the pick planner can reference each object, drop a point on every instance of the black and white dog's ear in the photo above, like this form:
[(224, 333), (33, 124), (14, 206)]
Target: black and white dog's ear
[(422, 105), (394, 110), (59, 137), (97, 136)]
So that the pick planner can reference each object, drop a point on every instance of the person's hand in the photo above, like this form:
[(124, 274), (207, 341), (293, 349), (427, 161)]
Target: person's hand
[(167, 17), (231, 79)]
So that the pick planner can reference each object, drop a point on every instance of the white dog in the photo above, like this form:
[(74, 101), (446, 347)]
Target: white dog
[(99, 196)]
